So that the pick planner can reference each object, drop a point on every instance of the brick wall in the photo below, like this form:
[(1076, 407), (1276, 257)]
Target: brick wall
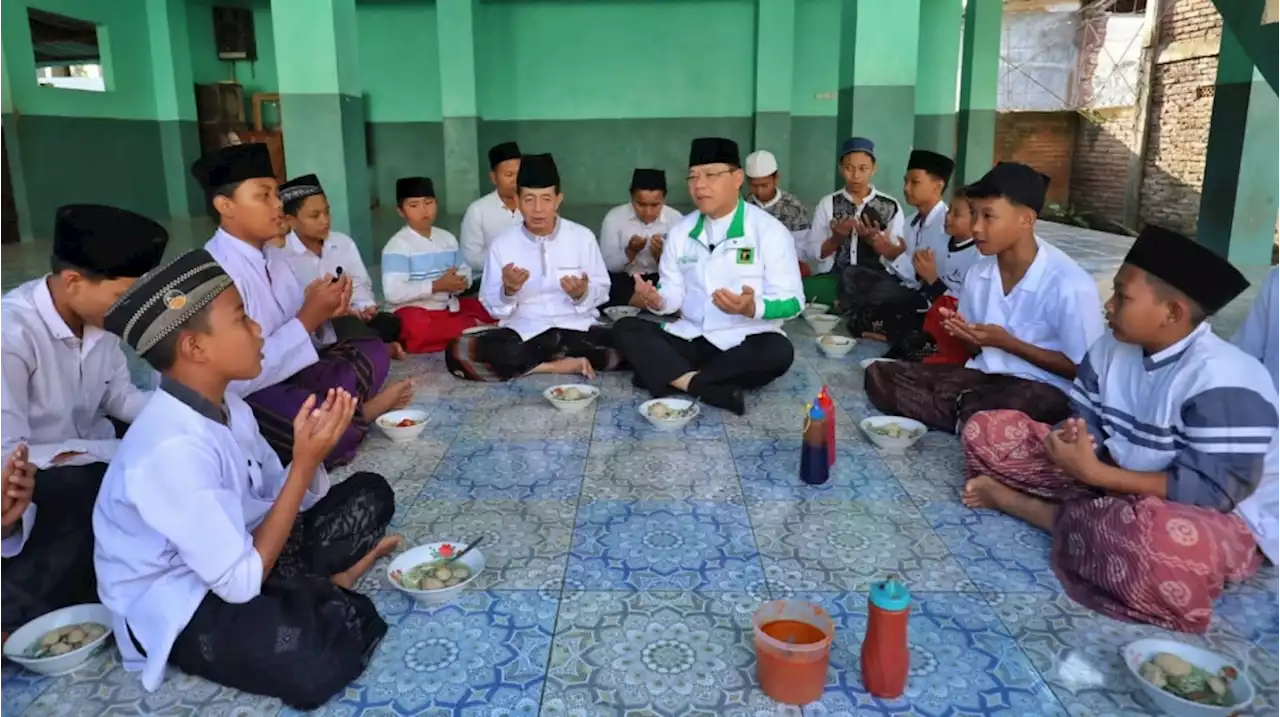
[(1100, 168), (1181, 108), (1044, 140)]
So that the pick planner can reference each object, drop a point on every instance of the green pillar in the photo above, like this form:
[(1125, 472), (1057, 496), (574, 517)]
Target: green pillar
[(322, 107), (979, 78), (937, 72), (775, 67), (13, 147), (877, 77), (455, 23), (175, 103), (1238, 200)]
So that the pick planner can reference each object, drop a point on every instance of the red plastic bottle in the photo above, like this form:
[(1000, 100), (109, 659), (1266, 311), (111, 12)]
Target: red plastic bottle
[(886, 656), (828, 406)]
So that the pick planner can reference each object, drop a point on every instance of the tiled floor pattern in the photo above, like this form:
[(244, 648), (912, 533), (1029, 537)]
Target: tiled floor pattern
[(624, 566)]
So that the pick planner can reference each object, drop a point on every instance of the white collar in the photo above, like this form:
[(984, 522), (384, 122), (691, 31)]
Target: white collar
[(1160, 359), (293, 244), (42, 298), (777, 197), (256, 257), (1030, 281)]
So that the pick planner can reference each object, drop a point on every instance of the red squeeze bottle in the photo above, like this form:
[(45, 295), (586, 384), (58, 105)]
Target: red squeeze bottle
[(886, 657), (828, 407)]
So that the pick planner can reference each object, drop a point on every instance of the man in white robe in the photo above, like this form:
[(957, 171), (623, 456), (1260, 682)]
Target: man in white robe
[(543, 282), (211, 555), (65, 381)]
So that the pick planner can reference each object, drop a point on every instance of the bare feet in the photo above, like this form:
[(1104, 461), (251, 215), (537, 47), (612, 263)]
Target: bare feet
[(983, 491), (568, 365), (348, 578), (396, 351), (873, 336), (394, 396)]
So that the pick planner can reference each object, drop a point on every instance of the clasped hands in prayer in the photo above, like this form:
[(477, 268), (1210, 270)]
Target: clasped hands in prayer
[(513, 279), (743, 304), (637, 244), (326, 298), (871, 233), (1073, 449), (976, 335), (17, 485), (925, 263), (451, 282)]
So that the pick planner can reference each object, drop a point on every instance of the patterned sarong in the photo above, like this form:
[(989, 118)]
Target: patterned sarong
[(1135, 558)]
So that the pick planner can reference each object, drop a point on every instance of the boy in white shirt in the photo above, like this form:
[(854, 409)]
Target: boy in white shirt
[(211, 555), (632, 235), (64, 379), (1259, 336), (424, 274), (495, 212), (1027, 312), (314, 250), (543, 281)]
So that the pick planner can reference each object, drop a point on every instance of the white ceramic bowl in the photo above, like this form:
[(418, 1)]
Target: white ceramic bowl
[(823, 323), (893, 445), (866, 363), (24, 637), (398, 434), (592, 393), (815, 309), (620, 312), (834, 345), (1140, 651), (670, 424), (427, 553)]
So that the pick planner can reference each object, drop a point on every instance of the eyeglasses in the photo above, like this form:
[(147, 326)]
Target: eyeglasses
[(707, 176)]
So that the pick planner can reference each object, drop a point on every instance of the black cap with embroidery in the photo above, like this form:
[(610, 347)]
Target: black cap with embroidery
[(1194, 269), (937, 165), (414, 188), (649, 179), (500, 153), (1014, 181), (714, 150), (232, 164), (108, 241), (538, 171), (300, 188), (166, 298)]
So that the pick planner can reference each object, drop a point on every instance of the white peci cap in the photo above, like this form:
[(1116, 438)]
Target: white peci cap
[(761, 163)]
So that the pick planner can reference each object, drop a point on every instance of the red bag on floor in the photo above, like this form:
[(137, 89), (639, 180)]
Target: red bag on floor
[(950, 349)]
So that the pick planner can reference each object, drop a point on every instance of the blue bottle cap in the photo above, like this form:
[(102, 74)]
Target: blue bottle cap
[(891, 595), (816, 414)]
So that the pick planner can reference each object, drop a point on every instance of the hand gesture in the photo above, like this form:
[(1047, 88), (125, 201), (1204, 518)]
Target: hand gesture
[(926, 265), (634, 246), (743, 304), (1072, 449), (324, 299), (977, 335), (647, 293), (656, 242), (316, 429), (574, 286), (843, 228), (18, 483), (367, 313), (884, 246), (866, 228), (451, 282), (513, 279)]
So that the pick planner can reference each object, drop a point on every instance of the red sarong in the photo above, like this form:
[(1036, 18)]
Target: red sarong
[(1134, 558), (424, 332), (950, 349)]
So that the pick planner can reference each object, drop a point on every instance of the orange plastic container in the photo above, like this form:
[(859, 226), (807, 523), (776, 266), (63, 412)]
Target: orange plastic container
[(793, 645), (886, 656)]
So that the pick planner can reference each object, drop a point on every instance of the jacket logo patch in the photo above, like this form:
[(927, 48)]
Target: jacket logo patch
[(746, 255)]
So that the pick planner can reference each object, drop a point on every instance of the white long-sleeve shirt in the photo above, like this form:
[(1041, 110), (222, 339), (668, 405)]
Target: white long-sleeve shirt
[(164, 538), (820, 231), (927, 231), (541, 304), (412, 262), (620, 224), (1258, 335), (338, 251), (272, 297), (484, 220), (12, 546), (59, 389)]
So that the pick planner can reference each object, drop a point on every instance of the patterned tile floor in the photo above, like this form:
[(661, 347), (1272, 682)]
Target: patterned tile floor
[(624, 566)]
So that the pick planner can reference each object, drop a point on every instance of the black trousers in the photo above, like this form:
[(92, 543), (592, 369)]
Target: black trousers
[(658, 357), (501, 355), (55, 567), (622, 286), (383, 325), (303, 639)]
